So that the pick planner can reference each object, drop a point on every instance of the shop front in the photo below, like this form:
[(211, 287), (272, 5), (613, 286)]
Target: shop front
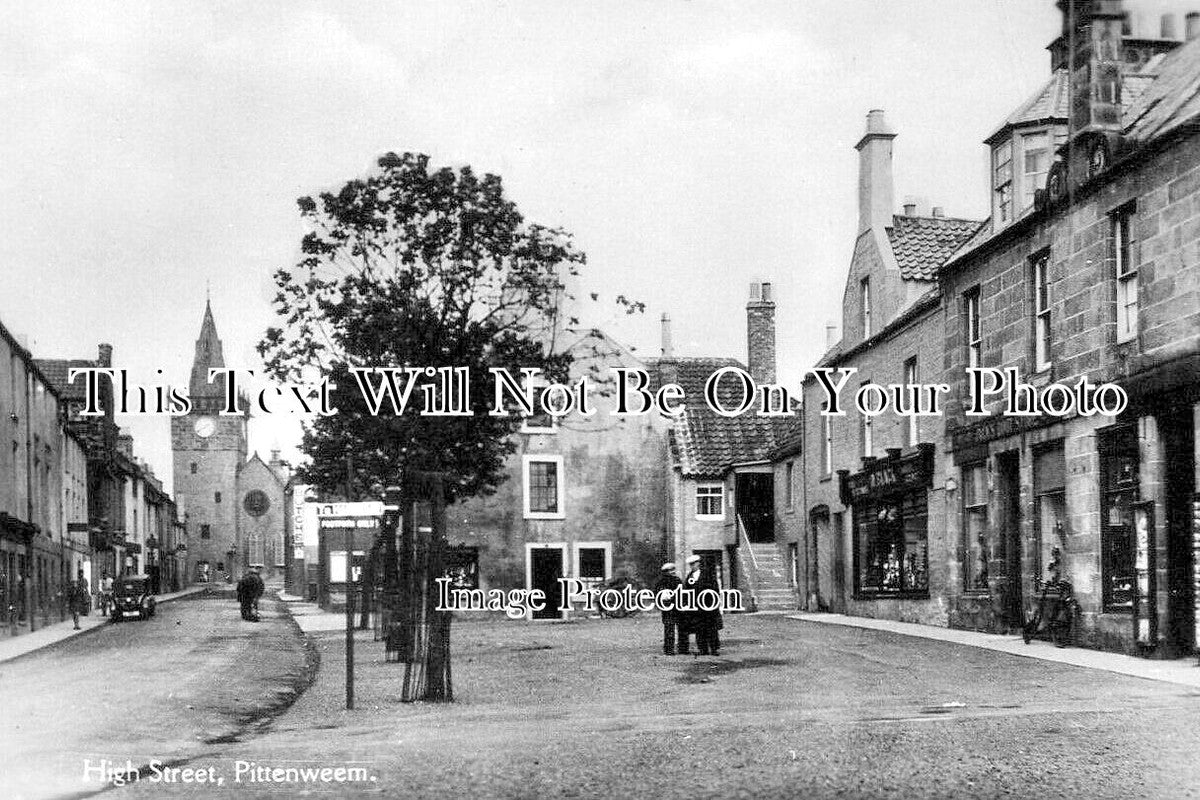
[(890, 507)]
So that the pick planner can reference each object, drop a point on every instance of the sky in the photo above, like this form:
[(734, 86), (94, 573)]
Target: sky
[(153, 152)]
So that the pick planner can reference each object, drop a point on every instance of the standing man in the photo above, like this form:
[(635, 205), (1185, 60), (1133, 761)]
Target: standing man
[(702, 623), (667, 581), (256, 591), (245, 595), (78, 597), (106, 593)]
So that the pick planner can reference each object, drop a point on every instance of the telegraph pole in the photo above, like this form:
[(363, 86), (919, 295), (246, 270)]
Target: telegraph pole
[(350, 584)]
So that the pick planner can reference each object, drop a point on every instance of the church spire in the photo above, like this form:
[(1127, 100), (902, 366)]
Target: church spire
[(209, 355)]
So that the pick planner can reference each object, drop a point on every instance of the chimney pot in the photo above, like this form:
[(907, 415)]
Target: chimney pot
[(938, 212), (1192, 25), (1167, 26), (105, 355), (910, 209), (831, 337)]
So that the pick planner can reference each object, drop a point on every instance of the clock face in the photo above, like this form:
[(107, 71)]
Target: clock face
[(206, 427)]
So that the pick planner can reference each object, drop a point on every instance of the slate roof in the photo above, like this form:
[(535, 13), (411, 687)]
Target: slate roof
[(1050, 101), (922, 244), (56, 371), (704, 443), (1171, 101)]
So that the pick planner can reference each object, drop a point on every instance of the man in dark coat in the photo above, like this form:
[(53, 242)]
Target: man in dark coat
[(256, 591), (245, 596), (699, 621), (667, 581)]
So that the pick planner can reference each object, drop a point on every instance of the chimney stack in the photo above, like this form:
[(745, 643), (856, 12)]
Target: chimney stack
[(938, 212), (910, 209), (831, 334), (760, 333), (105, 355), (1192, 25), (875, 173), (668, 345)]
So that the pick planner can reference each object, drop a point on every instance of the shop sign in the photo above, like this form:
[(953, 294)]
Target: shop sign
[(891, 475), (969, 442)]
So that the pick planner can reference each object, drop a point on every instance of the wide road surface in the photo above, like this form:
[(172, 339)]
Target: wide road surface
[(168, 688)]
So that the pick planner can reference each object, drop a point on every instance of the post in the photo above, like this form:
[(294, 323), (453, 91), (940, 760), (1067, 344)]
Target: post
[(349, 618)]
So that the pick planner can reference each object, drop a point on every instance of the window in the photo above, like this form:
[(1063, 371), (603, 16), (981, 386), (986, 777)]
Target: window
[(1118, 492), (910, 379), (1002, 173), (539, 421), (205, 532), (194, 467), (891, 546), (826, 442), (1049, 510), (1035, 151), (789, 474), (216, 497), (710, 501), (868, 438), (865, 297), (1125, 268), (543, 487), (975, 528), (1041, 311), (974, 330)]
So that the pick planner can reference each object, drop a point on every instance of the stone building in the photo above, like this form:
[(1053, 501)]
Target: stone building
[(872, 496), (1097, 279), (234, 507), (585, 498)]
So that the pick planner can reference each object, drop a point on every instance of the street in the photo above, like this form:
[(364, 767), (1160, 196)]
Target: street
[(164, 688), (592, 709)]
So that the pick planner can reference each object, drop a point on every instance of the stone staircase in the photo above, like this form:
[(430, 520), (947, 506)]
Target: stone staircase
[(772, 589)]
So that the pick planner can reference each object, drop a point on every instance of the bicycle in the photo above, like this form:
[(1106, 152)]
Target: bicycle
[(1055, 614)]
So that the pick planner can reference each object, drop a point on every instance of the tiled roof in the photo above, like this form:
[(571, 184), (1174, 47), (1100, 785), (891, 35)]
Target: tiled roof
[(57, 370), (1172, 100), (921, 244), (704, 443), (1050, 101)]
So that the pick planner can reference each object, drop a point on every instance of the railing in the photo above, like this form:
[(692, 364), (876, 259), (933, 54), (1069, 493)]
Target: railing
[(752, 574)]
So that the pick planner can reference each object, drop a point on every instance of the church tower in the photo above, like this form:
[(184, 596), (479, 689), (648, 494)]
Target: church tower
[(209, 451)]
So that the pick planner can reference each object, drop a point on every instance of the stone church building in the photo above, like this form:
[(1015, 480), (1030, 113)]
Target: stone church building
[(234, 501)]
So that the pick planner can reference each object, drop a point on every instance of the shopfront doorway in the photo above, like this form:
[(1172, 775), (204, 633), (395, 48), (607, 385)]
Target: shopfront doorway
[(1178, 430), (1008, 485)]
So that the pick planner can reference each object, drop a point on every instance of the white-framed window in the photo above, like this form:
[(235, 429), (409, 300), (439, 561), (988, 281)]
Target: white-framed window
[(865, 297), (973, 329), (1125, 269), (542, 479), (1041, 311), (1035, 155), (826, 443), (1002, 174), (710, 501), (910, 379), (593, 563)]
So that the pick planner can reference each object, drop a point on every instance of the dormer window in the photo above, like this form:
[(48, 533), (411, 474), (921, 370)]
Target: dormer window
[(1035, 152), (1002, 175)]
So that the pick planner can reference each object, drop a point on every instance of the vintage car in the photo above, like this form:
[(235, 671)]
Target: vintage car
[(132, 597)]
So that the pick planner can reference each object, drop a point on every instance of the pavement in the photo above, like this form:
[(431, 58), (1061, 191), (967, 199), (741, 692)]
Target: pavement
[(1184, 671), (16, 646)]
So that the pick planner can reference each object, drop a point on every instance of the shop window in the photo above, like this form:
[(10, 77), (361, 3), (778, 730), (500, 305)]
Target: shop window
[(1118, 493), (976, 537), (1041, 311), (710, 499), (1049, 510), (1125, 269), (891, 546), (543, 487)]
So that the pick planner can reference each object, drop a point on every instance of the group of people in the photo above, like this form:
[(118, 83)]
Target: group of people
[(249, 589), (680, 626)]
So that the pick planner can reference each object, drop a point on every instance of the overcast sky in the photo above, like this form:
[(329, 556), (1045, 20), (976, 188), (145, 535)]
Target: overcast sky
[(692, 147)]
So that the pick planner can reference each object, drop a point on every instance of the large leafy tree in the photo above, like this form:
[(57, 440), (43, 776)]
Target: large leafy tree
[(413, 266)]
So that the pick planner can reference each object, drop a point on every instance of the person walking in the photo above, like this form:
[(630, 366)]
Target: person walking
[(667, 582), (106, 593), (78, 597), (245, 596), (257, 587)]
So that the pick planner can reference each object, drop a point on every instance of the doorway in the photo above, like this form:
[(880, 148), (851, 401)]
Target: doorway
[(1008, 485), (755, 503), (1178, 431), (545, 567)]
